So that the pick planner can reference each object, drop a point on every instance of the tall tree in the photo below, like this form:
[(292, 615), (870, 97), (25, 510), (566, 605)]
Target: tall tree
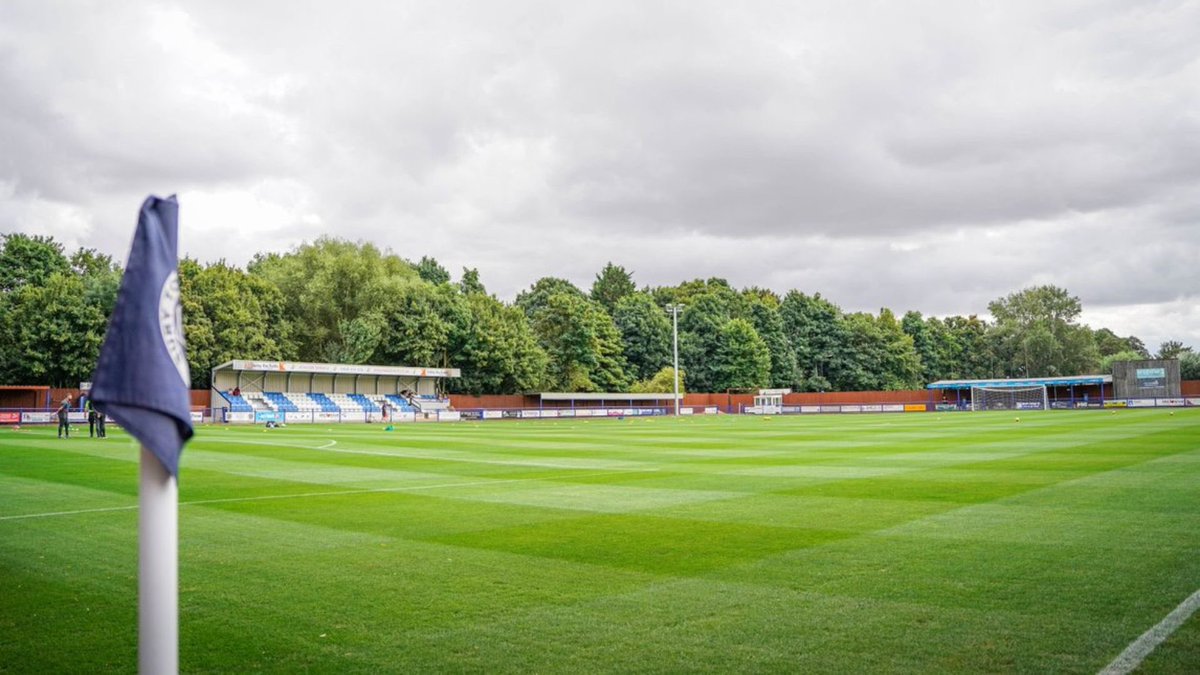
[(1189, 366), (431, 271), (229, 314), (496, 350), (536, 297), (418, 320), (52, 332), (333, 292), (583, 345), (29, 260), (700, 340), (662, 382), (470, 283), (743, 359), (818, 335), (764, 315), (645, 333), (1037, 333), (1171, 349), (972, 356), (1108, 343), (612, 283)]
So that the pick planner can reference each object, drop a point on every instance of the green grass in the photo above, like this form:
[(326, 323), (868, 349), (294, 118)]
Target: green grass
[(899, 543)]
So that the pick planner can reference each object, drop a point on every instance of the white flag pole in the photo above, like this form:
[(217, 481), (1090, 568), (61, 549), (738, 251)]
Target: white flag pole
[(158, 568)]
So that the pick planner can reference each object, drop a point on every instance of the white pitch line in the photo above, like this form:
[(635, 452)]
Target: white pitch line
[(332, 493), (328, 445), (67, 513), (1133, 655)]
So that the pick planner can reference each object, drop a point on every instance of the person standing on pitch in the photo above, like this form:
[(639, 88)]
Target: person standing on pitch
[(100, 432), (63, 424), (91, 417)]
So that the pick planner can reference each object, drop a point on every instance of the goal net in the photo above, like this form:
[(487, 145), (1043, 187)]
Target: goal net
[(1009, 398)]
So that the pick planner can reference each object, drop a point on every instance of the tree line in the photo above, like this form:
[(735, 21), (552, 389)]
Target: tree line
[(338, 301)]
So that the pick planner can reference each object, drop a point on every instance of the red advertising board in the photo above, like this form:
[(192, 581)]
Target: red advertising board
[(10, 417)]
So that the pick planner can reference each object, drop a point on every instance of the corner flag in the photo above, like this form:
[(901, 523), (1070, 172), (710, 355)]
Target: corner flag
[(142, 377)]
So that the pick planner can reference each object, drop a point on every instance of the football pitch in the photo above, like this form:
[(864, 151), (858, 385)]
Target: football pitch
[(959, 542)]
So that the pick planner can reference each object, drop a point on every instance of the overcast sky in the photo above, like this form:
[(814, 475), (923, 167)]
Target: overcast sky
[(920, 155)]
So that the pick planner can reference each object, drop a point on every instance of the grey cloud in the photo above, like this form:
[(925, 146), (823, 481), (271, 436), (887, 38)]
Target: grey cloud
[(930, 156)]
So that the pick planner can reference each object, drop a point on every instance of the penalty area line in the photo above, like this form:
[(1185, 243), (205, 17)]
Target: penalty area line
[(1137, 651)]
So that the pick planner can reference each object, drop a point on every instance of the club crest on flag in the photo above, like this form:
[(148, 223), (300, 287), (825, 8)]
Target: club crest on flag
[(170, 324)]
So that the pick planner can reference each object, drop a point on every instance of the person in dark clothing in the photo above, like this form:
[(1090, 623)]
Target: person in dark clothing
[(63, 424), (91, 417), (100, 431)]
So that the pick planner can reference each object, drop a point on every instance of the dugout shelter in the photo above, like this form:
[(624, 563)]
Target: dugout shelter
[(1081, 391)]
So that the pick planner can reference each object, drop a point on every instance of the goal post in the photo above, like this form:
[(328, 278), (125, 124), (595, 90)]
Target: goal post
[(1010, 398)]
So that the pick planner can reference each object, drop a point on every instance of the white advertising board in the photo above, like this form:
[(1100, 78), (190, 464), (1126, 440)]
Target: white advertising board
[(710, 410), (77, 417), (551, 412), (531, 413), (852, 408), (1193, 401), (327, 417), (872, 408), (239, 417), (893, 407), (404, 417), (810, 409), (492, 414), (1171, 402), (685, 411), (1140, 403), (197, 417), (566, 413), (36, 417), (342, 369), (298, 417), (449, 416)]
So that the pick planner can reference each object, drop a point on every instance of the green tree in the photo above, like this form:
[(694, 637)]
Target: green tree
[(330, 289), (743, 359), (700, 326), (645, 334), (1037, 334), (971, 354), (418, 322), (1108, 343), (1189, 366), (764, 316), (1107, 361), (662, 382), (29, 261), (470, 284), (431, 271), (229, 314), (535, 299), (612, 284), (581, 343), (52, 332), (496, 350), (1171, 349), (819, 337), (884, 357)]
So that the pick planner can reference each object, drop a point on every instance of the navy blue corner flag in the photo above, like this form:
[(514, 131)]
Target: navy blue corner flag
[(142, 378)]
